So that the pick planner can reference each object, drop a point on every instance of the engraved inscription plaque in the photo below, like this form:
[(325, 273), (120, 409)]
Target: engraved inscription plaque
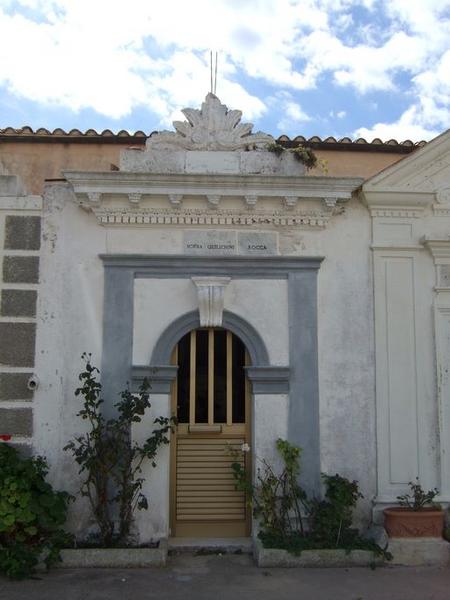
[(225, 243), (211, 242), (257, 243)]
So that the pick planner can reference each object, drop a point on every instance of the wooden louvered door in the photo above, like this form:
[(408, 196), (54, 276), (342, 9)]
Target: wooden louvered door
[(211, 401)]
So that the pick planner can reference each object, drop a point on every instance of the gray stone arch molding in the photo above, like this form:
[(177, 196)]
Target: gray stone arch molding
[(265, 379), (299, 378), (122, 269)]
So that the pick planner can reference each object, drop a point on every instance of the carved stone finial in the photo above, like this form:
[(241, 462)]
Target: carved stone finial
[(213, 127), (211, 291)]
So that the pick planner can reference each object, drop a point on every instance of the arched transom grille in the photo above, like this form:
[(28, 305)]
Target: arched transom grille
[(211, 378)]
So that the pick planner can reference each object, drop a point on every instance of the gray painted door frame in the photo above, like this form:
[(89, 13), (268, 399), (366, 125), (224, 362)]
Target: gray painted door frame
[(300, 377)]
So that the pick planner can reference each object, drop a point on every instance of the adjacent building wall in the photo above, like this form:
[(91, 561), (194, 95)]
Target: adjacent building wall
[(410, 208), (20, 243), (35, 159)]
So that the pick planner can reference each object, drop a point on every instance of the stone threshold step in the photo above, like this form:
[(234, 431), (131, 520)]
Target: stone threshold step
[(238, 545)]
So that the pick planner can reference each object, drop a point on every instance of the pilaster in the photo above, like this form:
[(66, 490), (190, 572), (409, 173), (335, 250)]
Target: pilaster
[(404, 386), (440, 250)]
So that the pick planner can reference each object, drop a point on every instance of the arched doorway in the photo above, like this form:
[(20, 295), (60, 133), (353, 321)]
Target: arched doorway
[(212, 402)]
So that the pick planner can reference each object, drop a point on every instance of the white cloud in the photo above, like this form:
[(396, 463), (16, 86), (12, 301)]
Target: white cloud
[(429, 115), (114, 56), (340, 114), (292, 114), (408, 127)]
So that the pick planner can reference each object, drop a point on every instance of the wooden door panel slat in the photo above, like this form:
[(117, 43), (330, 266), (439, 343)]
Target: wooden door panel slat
[(208, 493), (211, 439), (211, 517), (205, 486), (211, 510), (204, 499)]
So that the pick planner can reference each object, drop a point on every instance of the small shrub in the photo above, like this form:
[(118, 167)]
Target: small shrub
[(306, 156), (277, 149), (31, 515), (109, 460), (277, 500), (331, 519), (302, 153), (418, 499), (283, 508)]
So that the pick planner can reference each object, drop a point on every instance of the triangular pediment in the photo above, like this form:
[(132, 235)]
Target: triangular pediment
[(426, 171)]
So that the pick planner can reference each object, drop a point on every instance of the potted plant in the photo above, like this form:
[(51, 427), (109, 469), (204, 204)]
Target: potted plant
[(417, 515)]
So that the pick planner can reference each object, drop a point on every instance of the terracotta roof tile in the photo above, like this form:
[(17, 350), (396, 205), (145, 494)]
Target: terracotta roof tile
[(41, 134)]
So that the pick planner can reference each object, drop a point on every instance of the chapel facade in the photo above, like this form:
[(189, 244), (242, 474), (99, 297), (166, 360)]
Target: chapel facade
[(261, 301)]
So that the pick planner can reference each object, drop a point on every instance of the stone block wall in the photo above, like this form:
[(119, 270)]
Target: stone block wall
[(20, 242)]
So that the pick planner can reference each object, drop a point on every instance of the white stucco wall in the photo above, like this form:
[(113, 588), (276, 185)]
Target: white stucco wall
[(262, 303), (270, 422), (72, 284), (69, 322), (153, 523), (346, 352), (383, 298), (157, 303)]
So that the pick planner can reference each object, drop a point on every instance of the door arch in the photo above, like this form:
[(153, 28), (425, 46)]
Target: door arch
[(211, 399)]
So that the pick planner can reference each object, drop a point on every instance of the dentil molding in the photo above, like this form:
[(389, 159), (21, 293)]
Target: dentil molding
[(314, 219)]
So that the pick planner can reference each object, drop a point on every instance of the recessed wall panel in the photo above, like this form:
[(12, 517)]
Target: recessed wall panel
[(401, 373)]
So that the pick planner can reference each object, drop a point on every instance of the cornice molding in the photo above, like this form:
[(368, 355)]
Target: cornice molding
[(409, 212), (440, 251), (121, 182), (271, 379), (441, 210), (237, 267), (400, 247), (293, 199), (439, 248), (399, 204), (419, 171)]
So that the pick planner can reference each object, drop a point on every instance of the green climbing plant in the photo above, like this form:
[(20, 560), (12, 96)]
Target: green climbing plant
[(289, 519), (302, 153), (276, 498), (110, 461), (32, 515)]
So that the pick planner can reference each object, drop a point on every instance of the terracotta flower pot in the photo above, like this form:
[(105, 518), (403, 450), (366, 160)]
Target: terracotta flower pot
[(406, 523)]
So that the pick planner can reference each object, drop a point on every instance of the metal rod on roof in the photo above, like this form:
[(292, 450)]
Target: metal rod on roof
[(211, 70), (215, 75)]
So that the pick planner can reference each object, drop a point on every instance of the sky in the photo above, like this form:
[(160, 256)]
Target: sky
[(356, 68)]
